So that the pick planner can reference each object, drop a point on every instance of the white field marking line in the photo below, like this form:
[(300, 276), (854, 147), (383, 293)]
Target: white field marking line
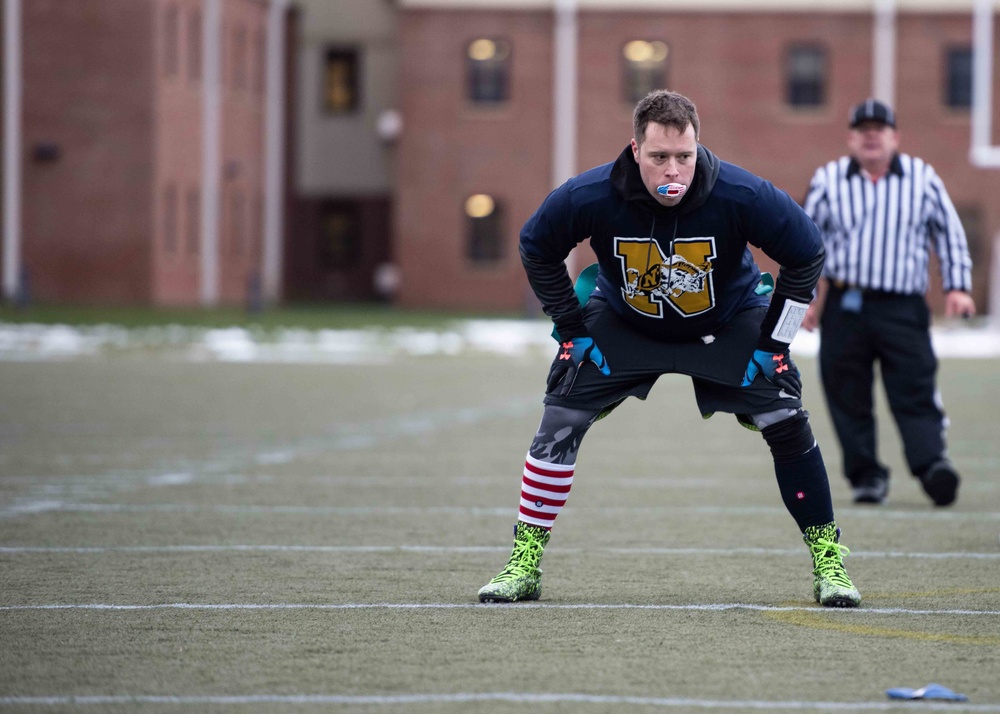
[(505, 511), (358, 435), (709, 607), (247, 548), (513, 697)]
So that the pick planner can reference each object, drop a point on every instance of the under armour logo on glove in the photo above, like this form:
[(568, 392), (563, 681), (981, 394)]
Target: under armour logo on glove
[(780, 365), (565, 367), (777, 368)]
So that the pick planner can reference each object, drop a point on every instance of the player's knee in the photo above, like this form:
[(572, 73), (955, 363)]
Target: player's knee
[(558, 438), (788, 437), (556, 418)]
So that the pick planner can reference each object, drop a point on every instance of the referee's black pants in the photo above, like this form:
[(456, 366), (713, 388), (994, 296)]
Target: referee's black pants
[(893, 330)]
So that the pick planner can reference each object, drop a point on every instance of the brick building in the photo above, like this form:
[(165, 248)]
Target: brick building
[(420, 133), (773, 81), (124, 199)]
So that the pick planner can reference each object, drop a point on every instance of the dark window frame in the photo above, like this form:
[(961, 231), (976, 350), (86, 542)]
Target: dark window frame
[(957, 84), (240, 58), (172, 39), (237, 223), (170, 222), (807, 92), (484, 235), (346, 59), (192, 208), (339, 247), (260, 61), (195, 30), (488, 79), (639, 77)]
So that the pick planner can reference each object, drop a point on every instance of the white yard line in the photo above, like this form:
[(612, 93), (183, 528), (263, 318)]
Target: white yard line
[(265, 548), (707, 607), (508, 697), (243, 509)]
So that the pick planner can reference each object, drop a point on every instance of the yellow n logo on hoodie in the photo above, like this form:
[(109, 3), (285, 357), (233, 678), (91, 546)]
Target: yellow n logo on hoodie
[(652, 279)]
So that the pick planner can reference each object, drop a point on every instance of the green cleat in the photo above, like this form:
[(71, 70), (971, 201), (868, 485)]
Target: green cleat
[(831, 586), (521, 579)]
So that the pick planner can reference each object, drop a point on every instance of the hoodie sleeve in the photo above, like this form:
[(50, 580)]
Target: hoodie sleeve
[(786, 234), (546, 240)]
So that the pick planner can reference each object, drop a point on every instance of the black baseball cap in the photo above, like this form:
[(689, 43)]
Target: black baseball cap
[(872, 110)]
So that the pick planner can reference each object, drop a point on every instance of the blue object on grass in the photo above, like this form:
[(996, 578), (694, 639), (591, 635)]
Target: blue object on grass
[(931, 691)]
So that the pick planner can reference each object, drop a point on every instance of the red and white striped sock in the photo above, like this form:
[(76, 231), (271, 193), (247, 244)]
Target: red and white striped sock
[(544, 490)]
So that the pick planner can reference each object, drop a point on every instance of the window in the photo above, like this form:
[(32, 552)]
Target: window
[(958, 77), (240, 58), (340, 81), (171, 38), (260, 62), (237, 222), (193, 229), (645, 68), (806, 75), (194, 40), (485, 229), (257, 230), (170, 219), (487, 68), (340, 235)]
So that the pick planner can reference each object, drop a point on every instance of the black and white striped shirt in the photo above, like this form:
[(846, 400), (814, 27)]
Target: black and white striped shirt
[(878, 234)]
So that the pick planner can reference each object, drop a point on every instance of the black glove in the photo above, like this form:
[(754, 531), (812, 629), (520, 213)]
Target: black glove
[(572, 354), (777, 368)]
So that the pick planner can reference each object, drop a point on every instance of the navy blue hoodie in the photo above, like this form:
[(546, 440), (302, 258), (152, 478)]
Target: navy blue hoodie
[(676, 273)]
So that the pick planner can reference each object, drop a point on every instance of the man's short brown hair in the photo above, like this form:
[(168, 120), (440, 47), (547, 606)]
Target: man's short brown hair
[(667, 108)]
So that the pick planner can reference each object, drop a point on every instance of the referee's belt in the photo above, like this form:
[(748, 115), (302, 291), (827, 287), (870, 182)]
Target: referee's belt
[(844, 286)]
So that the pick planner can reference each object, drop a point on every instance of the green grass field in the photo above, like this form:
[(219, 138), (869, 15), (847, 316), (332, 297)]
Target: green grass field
[(179, 537), (305, 316)]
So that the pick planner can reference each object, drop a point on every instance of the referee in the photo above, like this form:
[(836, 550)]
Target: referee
[(880, 212)]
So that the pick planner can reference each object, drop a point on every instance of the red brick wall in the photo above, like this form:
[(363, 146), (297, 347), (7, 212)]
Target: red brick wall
[(3, 132), (176, 260), (450, 150), (177, 269), (941, 136), (730, 63), (97, 224), (242, 149), (88, 93)]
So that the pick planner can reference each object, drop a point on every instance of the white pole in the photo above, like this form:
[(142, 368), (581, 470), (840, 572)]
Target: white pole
[(884, 52), (13, 88), (994, 306), (274, 147), (564, 93), (982, 153), (211, 154), (564, 97)]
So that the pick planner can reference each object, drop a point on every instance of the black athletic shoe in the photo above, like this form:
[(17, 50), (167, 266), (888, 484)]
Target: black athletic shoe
[(873, 489), (940, 482)]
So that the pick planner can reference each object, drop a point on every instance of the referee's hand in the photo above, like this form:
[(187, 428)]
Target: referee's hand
[(958, 303), (811, 320)]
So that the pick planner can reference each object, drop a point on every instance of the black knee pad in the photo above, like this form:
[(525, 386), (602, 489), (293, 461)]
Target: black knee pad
[(790, 437)]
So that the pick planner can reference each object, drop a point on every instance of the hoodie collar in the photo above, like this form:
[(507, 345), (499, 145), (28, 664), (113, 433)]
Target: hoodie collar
[(627, 181)]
